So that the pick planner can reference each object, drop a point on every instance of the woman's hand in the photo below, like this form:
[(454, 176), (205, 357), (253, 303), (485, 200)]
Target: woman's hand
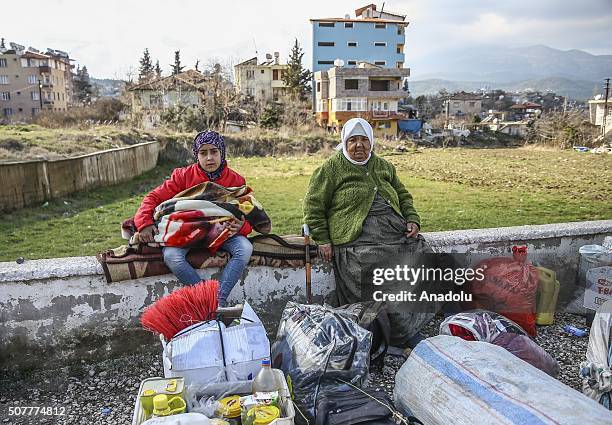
[(147, 235), (327, 251), (412, 230), (235, 225)]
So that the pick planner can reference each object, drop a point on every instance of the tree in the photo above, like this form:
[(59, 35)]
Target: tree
[(158, 71), (82, 85), (176, 66), (2, 46), (197, 65), (296, 77), (146, 71), (405, 86), (271, 116)]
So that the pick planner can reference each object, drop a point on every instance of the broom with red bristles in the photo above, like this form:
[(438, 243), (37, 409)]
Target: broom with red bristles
[(182, 308)]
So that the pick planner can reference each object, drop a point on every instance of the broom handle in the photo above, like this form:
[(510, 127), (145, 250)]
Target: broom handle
[(306, 234)]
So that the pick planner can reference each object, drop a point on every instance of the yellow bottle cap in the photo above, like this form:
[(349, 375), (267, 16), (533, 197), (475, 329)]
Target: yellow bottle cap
[(264, 414), (148, 393), (230, 407), (160, 405)]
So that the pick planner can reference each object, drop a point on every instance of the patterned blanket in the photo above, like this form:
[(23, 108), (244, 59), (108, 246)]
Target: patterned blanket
[(197, 216), (138, 261)]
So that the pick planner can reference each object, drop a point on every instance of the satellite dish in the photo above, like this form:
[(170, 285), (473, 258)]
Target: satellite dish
[(338, 62), (598, 97), (268, 56), (276, 54), (16, 46), (347, 16), (32, 49)]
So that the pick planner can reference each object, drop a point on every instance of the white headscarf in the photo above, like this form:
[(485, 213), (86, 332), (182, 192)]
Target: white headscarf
[(356, 127)]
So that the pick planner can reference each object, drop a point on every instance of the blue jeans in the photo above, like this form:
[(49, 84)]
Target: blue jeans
[(237, 246)]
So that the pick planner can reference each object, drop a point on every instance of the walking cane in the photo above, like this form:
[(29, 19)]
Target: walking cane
[(306, 234)]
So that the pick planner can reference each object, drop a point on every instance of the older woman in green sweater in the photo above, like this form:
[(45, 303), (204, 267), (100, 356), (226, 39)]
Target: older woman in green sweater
[(361, 214)]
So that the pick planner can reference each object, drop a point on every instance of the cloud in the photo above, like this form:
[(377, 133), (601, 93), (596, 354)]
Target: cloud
[(109, 36)]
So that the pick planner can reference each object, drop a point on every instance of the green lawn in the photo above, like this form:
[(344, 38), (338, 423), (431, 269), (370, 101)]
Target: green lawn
[(452, 188)]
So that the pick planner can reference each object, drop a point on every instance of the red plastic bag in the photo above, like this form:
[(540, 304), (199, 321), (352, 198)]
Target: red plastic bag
[(509, 288)]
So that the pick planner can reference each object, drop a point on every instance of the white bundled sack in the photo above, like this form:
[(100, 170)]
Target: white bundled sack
[(597, 370), (447, 380), (212, 352)]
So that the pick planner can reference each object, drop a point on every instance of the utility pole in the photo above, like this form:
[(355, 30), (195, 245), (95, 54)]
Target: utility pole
[(40, 94), (605, 116)]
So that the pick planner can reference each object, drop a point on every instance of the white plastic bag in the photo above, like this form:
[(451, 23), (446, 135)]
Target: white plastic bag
[(597, 370), (447, 380), (212, 352)]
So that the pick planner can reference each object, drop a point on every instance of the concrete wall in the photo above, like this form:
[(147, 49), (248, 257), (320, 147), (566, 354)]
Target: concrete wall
[(31, 182), (63, 308)]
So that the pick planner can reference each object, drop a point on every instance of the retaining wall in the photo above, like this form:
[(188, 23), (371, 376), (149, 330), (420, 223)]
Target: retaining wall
[(31, 182), (62, 309)]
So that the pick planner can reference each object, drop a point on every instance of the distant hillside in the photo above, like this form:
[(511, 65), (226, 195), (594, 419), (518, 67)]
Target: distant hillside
[(574, 89), (503, 65)]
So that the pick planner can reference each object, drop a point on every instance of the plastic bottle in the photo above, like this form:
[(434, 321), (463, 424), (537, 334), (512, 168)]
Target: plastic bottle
[(266, 380), (548, 293)]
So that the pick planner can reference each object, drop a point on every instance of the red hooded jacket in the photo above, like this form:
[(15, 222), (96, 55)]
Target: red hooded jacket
[(181, 179)]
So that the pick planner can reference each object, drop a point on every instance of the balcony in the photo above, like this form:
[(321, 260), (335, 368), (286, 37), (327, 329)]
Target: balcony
[(380, 114), (44, 69), (46, 84)]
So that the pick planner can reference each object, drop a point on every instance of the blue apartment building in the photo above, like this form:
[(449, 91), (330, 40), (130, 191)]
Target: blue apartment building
[(372, 36)]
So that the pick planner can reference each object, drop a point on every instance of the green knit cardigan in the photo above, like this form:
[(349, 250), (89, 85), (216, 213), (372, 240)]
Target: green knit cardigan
[(340, 195)]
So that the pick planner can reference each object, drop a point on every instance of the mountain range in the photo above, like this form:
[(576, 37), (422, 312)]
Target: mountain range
[(574, 73)]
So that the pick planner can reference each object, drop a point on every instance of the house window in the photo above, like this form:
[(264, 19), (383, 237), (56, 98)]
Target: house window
[(399, 64), (155, 100), (3, 63), (250, 92), (380, 63), (262, 71), (275, 74), (8, 111), (5, 95), (352, 62), (380, 26), (35, 111), (351, 84), (250, 74), (380, 44), (326, 44), (34, 95), (349, 104), (4, 79), (348, 25), (318, 86), (400, 30), (472, 104), (327, 24), (379, 85), (325, 62), (384, 124), (352, 44)]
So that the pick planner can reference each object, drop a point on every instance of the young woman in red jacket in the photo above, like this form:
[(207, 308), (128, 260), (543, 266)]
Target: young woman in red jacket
[(210, 165)]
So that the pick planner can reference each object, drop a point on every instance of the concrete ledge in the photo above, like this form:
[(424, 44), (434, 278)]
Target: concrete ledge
[(62, 309)]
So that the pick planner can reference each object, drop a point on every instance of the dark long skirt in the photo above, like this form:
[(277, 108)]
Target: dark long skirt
[(382, 238)]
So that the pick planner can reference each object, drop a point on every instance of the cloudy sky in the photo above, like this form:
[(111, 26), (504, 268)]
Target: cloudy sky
[(109, 36)]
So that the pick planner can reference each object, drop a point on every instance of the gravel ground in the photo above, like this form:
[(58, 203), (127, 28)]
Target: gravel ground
[(105, 392)]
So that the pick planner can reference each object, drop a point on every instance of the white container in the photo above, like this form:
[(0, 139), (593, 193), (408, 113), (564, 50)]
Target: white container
[(212, 352), (244, 387), (598, 287)]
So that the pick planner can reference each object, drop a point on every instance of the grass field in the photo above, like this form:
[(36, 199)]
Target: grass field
[(452, 188)]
